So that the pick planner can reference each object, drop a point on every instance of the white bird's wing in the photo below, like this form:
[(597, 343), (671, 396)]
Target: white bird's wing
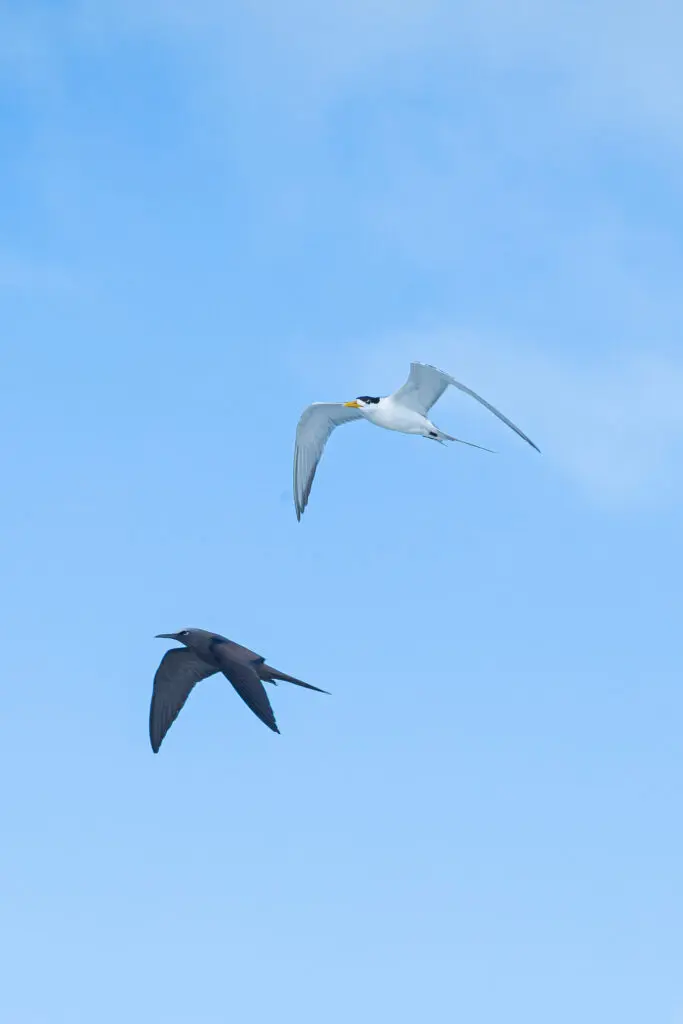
[(315, 426), (425, 386)]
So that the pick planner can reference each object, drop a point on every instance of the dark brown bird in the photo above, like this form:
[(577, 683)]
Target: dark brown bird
[(204, 654)]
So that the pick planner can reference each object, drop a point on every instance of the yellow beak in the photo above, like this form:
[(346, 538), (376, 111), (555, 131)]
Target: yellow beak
[(352, 405)]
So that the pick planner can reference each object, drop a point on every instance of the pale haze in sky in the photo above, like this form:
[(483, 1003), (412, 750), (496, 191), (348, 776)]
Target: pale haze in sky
[(214, 214)]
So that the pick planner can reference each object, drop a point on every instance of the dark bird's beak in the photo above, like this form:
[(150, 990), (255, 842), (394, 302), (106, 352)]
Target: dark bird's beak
[(166, 636)]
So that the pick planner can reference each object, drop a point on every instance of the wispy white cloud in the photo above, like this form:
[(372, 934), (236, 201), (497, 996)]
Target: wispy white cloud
[(616, 62), (550, 86), (613, 61)]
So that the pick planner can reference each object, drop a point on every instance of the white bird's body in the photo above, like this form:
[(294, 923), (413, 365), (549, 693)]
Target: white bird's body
[(392, 415), (404, 411)]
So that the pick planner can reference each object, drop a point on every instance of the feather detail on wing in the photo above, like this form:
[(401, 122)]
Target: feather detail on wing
[(177, 674), (315, 426), (426, 385)]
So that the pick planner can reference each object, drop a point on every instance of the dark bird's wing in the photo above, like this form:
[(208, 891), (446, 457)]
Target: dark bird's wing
[(265, 672), (244, 677), (425, 386), (314, 428), (237, 651), (179, 670)]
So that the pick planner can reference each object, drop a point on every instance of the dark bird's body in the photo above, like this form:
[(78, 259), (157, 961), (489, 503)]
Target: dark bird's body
[(203, 655)]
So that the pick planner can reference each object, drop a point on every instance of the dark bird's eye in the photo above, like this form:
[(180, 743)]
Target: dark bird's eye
[(184, 632), (368, 399)]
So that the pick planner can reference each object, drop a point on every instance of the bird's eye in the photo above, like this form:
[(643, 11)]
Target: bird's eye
[(184, 632)]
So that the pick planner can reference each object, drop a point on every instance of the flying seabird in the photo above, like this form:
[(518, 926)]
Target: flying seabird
[(202, 655), (406, 411)]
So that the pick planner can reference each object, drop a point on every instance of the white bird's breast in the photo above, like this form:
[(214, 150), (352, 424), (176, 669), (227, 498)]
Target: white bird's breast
[(394, 416)]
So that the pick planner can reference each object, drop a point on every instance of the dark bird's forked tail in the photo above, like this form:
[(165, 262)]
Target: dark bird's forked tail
[(269, 675)]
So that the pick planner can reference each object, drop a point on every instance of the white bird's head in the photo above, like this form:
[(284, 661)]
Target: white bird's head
[(362, 402)]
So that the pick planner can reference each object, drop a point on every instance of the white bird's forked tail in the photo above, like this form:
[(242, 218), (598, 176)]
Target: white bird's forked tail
[(442, 437)]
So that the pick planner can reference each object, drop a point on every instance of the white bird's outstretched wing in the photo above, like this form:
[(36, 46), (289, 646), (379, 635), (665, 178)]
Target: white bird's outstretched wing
[(315, 426), (425, 386)]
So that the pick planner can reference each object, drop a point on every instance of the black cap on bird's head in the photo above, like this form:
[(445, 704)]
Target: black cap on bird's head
[(362, 400)]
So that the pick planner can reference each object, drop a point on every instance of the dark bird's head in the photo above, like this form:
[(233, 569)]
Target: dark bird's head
[(195, 638), (362, 402)]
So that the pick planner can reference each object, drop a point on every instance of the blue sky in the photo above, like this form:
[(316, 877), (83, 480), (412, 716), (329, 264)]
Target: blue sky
[(212, 216)]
